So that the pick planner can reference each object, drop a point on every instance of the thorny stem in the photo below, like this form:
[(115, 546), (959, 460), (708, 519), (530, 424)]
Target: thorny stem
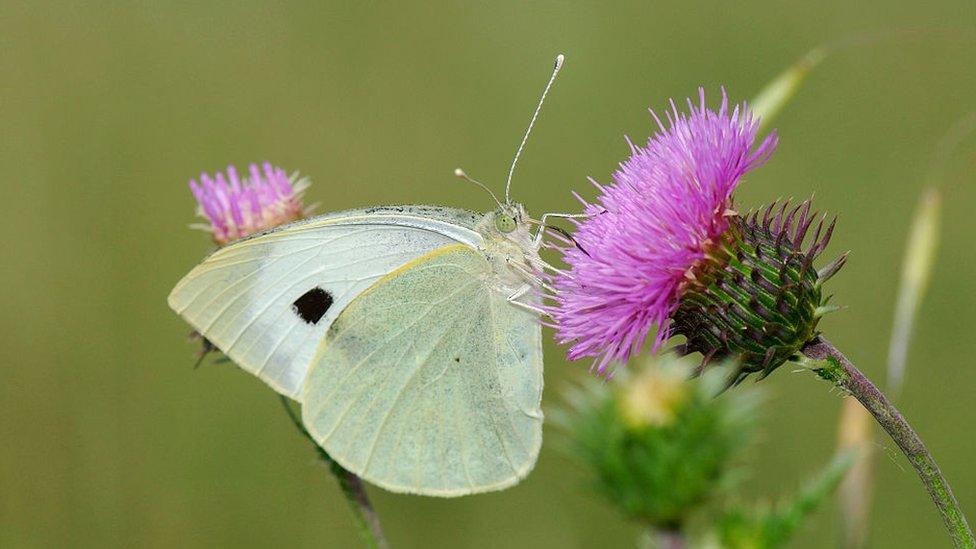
[(352, 487), (831, 365)]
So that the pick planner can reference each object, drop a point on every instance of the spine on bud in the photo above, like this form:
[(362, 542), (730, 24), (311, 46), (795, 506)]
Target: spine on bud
[(756, 297)]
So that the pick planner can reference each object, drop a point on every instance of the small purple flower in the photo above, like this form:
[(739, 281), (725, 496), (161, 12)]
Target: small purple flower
[(237, 207), (667, 207)]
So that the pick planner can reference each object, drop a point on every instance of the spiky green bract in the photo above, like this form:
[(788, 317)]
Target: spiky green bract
[(771, 528), (658, 470), (756, 297)]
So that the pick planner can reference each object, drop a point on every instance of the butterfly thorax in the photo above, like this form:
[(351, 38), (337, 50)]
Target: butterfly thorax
[(509, 247)]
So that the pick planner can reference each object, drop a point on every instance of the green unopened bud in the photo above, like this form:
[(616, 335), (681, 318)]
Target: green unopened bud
[(654, 398), (757, 298), (658, 442)]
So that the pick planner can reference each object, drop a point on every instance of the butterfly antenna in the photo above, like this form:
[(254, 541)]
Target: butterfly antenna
[(458, 172), (535, 115)]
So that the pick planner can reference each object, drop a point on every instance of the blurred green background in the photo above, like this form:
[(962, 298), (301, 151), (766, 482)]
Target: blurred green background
[(109, 436)]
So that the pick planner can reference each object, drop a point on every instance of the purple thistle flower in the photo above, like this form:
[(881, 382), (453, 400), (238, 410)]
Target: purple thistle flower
[(237, 207), (668, 206)]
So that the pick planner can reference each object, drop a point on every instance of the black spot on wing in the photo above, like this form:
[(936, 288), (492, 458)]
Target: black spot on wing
[(313, 304)]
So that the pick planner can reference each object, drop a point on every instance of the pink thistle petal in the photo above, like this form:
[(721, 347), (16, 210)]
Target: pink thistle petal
[(235, 182), (238, 207), (666, 205)]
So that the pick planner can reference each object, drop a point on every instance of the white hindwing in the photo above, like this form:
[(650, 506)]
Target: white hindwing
[(430, 382), (244, 298)]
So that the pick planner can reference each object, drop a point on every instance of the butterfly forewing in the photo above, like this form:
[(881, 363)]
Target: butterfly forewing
[(268, 300), (430, 382)]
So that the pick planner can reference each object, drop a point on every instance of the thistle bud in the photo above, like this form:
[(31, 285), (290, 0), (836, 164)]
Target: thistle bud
[(756, 297), (658, 443)]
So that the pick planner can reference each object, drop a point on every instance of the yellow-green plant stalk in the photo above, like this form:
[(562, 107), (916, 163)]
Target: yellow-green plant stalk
[(855, 424), (856, 434), (768, 103), (923, 240), (916, 271)]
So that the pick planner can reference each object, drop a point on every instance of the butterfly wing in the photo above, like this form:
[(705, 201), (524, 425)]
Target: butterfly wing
[(267, 301), (430, 382)]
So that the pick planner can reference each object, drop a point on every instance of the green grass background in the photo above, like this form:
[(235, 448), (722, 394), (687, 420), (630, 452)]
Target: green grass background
[(108, 108)]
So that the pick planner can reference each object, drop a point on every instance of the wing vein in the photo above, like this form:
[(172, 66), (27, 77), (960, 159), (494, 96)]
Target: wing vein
[(410, 380)]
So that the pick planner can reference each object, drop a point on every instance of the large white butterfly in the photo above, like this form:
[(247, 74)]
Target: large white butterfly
[(409, 334)]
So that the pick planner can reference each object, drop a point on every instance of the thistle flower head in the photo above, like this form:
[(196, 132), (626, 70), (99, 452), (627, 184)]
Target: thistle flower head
[(237, 206), (668, 207)]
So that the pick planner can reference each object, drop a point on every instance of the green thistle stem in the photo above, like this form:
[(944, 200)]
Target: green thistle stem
[(831, 365), (352, 487)]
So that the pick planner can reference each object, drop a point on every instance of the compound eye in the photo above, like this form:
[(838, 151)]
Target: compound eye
[(505, 223)]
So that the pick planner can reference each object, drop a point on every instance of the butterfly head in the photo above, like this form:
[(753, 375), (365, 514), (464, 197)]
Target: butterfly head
[(508, 217), (508, 240), (509, 224)]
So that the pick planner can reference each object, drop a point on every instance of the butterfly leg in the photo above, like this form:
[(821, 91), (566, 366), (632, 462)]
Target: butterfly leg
[(542, 225), (519, 292), (530, 276), (538, 263)]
